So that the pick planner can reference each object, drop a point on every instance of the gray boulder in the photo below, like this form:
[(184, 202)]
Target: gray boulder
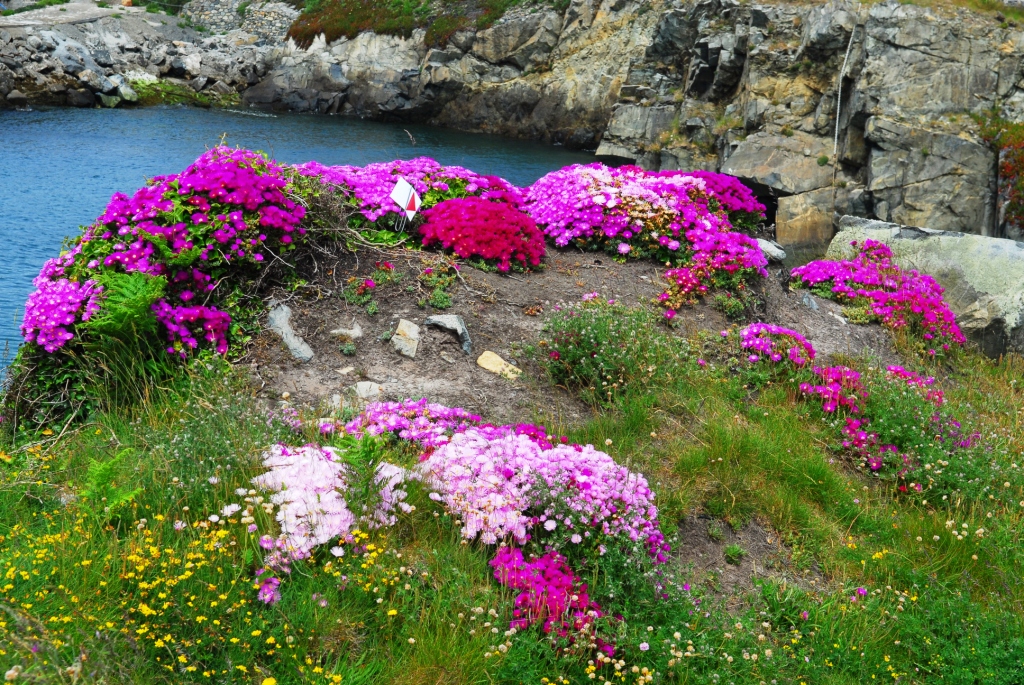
[(525, 42), (17, 99), (983, 277), (81, 97)]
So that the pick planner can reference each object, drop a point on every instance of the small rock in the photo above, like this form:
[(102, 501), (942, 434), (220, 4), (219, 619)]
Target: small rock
[(17, 98), (110, 101), (406, 338), (124, 91), (199, 83), (221, 88), (95, 82), (445, 356), (279, 320), (368, 390), (334, 403), (455, 324), (353, 333), (346, 370), (495, 364), (808, 301), (772, 250)]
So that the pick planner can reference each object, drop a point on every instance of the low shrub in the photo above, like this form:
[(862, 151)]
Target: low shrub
[(603, 349), (493, 231)]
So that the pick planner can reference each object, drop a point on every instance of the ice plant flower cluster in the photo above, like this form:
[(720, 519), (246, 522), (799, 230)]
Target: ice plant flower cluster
[(839, 387), (190, 229), (894, 296), (550, 593), (182, 323), (369, 188), (744, 210), (719, 259), (502, 483), (596, 205), (307, 485), (775, 343), (921, 383), (492, 231), (55, 307), (419, 421)]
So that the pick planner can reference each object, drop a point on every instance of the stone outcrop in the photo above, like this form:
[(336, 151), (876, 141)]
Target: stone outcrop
[(542, 74), (826, 110), (983, 276), (96, 62)]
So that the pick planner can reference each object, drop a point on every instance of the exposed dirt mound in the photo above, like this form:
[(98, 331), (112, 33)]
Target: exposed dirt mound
[(705, 541), (503, 314)]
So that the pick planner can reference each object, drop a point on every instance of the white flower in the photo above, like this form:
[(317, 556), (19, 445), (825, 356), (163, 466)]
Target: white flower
[(213, 480), (576, 539), (230, 509), (550, 524), (214, 518), (644, 646), (338, 551)]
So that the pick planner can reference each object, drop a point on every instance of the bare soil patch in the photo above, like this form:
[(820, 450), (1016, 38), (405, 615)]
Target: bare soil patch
[(504, 314), (701, 552)]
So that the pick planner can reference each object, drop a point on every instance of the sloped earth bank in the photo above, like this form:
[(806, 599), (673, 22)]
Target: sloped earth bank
[(503, 314)]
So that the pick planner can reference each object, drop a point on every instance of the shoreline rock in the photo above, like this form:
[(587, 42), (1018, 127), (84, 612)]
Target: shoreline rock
[(983, 276)]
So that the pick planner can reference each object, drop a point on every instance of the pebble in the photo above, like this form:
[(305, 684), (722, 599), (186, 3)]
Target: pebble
[(495, 364), (406, 338), (279, 321)]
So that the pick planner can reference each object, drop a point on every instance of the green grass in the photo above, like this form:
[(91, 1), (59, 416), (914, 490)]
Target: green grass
[(34, 6), (76, 569), (337, 18)]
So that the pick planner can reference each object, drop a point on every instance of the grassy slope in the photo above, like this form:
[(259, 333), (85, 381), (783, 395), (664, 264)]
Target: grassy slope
[(337, 18), (74, 579)]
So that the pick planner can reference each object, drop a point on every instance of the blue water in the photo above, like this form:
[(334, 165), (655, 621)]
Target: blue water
[(58, 168)]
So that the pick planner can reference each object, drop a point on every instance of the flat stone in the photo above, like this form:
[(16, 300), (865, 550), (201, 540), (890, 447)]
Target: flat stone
[(808, 301), (110, 101), (279, 320), (455, 324), (406, 338), (368, 390), (353, 333), (221, 88), (495, 364), (779, 162)]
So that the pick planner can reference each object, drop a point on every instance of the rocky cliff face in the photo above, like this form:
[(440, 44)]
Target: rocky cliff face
[(95, 61), (836, 108)]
